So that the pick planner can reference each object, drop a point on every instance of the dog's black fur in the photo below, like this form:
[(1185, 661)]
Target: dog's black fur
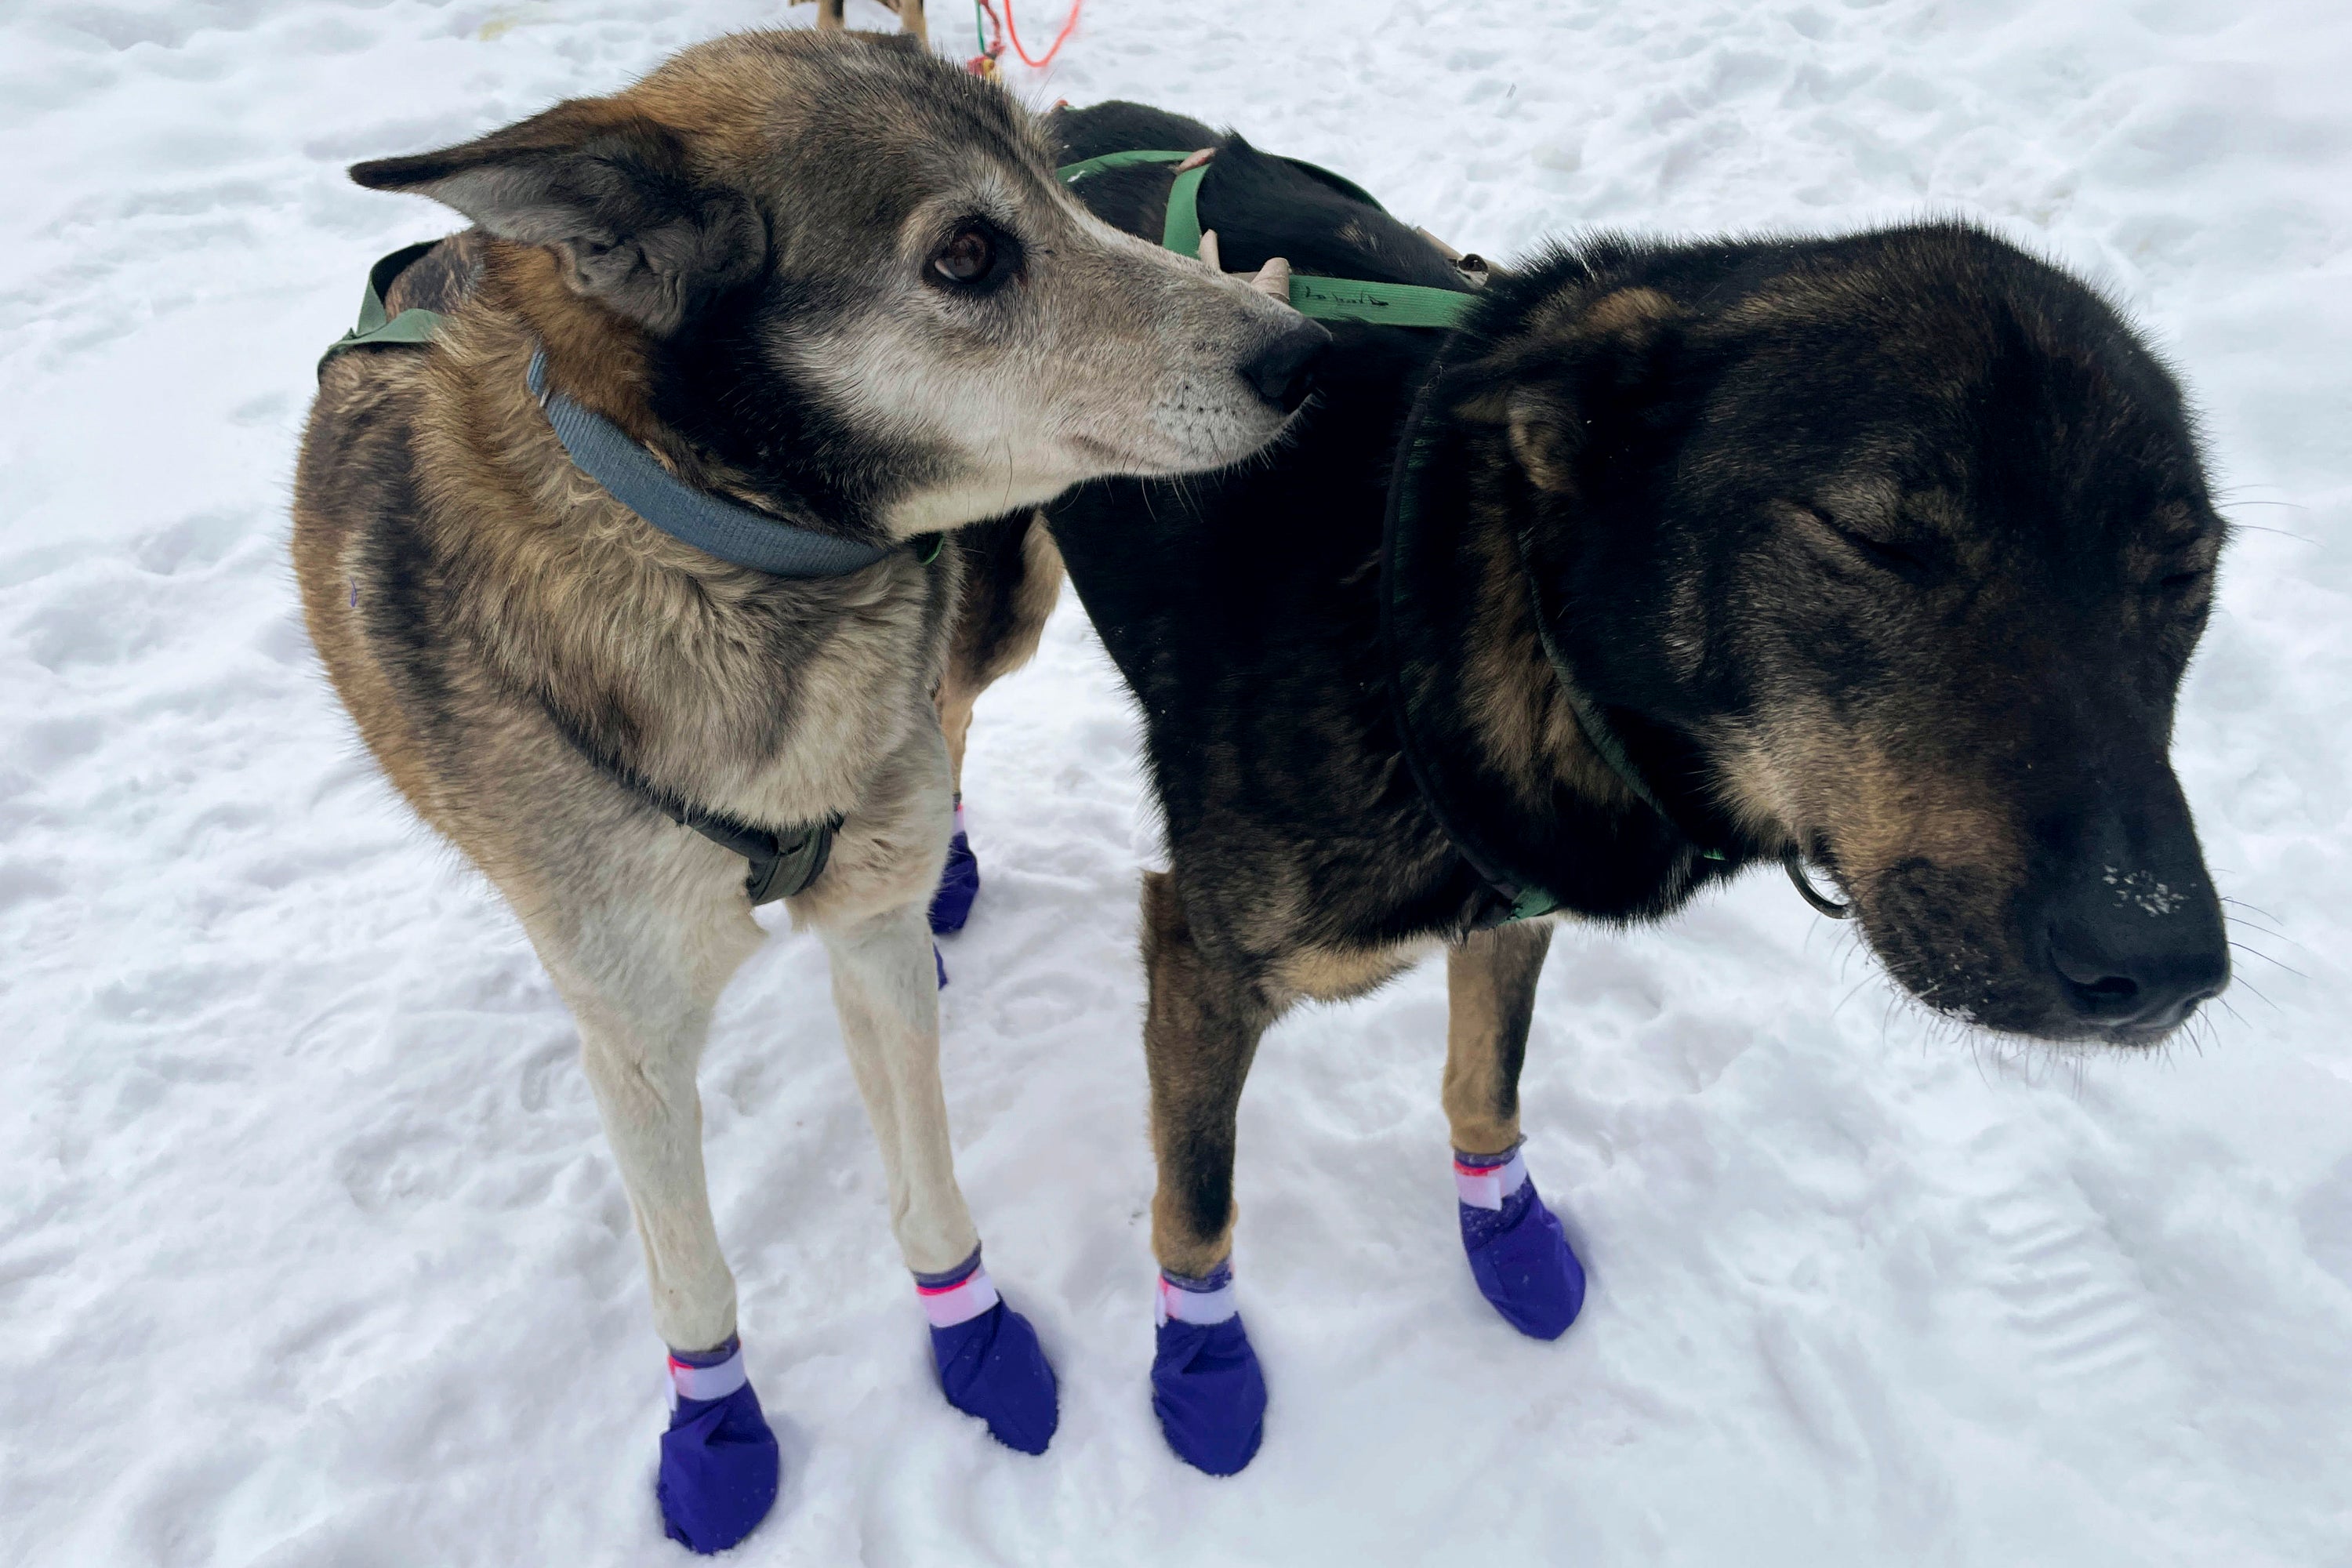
[(1888, 549), (2038, 608)]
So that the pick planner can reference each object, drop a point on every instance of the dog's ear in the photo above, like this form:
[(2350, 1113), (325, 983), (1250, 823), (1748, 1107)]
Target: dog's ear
[(1549, 390), (614, 193)]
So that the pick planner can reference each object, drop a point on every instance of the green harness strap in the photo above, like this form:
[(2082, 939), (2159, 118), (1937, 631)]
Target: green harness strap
[(375, 325), (1323, 299)]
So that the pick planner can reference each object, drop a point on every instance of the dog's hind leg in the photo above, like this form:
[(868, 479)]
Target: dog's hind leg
[(1011, 578), (641, 970), (1518, 1254), (1200, 1030)]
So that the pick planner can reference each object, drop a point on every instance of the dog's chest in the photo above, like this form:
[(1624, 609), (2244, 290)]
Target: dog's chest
[(792, 701)]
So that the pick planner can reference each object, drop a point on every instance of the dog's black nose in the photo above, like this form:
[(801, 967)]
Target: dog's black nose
[(2136, 954), (1284, 370)]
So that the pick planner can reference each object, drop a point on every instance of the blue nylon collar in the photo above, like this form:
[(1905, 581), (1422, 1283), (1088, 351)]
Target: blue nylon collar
[(735, 534)]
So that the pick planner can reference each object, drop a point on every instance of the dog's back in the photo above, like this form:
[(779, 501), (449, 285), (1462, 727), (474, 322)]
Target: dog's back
[(1249, 595)]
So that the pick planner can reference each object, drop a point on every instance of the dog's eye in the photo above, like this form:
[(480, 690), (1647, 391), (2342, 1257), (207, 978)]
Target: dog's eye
[(968, 257), (1881, 554), (1903, 560)]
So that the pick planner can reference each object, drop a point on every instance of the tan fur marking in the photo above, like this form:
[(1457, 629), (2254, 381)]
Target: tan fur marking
[(1490, 986), (1339, 974)]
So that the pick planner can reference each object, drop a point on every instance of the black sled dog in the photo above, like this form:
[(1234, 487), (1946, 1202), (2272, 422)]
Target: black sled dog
[(1882, 555)]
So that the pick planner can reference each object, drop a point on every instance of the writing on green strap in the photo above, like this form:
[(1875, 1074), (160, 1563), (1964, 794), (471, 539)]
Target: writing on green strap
[(1382, 304), (1320, 299)]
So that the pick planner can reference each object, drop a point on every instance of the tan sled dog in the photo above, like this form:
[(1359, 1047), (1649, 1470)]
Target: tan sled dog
[(825, 291)]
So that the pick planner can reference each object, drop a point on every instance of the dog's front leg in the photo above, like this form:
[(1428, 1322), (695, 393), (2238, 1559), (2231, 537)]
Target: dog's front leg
[(1201, 1026), (642, 975), (1518, 1254), (1490, 994), (886, 989)]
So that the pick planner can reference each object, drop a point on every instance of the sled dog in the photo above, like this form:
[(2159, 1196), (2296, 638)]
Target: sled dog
[(1878, 555), (811, 302)]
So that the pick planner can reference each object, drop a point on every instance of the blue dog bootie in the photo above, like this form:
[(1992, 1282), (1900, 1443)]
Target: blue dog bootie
[(1518, 1254), (991, 1364), (720, 1467), (958, 882), (1206, 1386)]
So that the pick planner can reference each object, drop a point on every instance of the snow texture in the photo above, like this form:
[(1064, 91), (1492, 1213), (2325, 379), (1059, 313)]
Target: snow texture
[(310, 1251)]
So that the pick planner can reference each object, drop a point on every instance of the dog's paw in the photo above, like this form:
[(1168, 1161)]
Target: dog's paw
[(1209, 1394), (1518, 1254), (959, 883), (719, 1468), (1206, 1387), (990, 1363), (992, 1366)]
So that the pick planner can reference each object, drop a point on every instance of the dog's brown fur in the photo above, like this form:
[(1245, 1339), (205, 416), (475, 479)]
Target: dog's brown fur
[(743, 262)]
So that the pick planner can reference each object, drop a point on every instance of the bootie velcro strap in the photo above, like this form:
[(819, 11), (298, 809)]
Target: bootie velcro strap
[(958, 1296), (1488, 1181), (707, 1374), (1184, 1299)]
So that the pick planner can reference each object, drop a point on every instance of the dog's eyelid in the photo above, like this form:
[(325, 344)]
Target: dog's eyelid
[(1876, 535), (1908, 555)]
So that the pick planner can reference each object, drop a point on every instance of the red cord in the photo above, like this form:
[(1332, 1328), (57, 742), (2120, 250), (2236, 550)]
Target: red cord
[(1013, 32)]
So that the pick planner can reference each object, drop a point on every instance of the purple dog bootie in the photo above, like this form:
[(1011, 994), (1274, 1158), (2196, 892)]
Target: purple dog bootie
[(958, 882), (1206, 1387), (1518, 1252), (719, 1461), (990, 1363)]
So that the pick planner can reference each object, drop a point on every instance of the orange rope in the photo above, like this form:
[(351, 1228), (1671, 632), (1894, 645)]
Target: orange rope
[(1012, 30)]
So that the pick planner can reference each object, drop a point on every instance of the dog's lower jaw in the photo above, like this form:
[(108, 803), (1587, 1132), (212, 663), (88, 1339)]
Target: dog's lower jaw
[(976, 497)]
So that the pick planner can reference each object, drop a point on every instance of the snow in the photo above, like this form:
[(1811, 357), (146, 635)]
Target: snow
[(310, 1246)]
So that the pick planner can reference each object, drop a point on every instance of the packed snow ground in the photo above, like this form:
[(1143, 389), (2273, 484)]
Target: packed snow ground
[(310, 1252)]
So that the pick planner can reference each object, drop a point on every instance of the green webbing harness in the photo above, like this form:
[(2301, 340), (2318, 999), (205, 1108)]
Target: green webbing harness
[(1324, 298), (376, 324)]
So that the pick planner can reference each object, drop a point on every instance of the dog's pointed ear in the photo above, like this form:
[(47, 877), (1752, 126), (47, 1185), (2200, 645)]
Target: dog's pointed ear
[(614, 193), (1549, 390)]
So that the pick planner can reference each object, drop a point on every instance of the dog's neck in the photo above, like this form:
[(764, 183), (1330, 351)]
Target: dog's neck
[(614, 373), (1495, 732), (738, 535)]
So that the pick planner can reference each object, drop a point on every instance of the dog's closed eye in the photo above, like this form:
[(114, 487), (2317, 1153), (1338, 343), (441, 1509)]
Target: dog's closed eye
[(1903, 558), (1882, 552)]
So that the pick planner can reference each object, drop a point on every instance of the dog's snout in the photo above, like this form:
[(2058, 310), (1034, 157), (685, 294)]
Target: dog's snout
[(1283, 370), (2133, 953)]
